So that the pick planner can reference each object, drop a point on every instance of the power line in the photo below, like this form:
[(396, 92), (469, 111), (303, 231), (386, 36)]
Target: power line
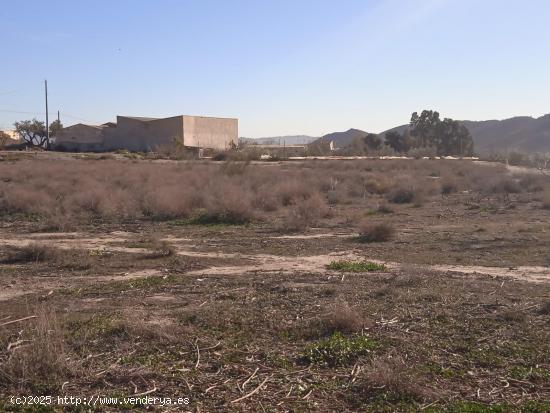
[(20, 111), (78, 118), (68, 115), (7, 92)]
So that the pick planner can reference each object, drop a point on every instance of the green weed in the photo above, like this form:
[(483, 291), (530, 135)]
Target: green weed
[(356, 266), (338, 350)]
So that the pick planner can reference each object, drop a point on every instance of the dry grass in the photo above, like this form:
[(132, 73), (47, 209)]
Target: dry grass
[(39, 360), (391, 379), (31, 253), (34, 253), (219, 337), (64, 194), (373, 232)]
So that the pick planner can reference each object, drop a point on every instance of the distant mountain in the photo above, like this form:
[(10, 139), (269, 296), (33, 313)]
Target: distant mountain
[(521, 133), (342, 139), (400, 129), (287, 140)]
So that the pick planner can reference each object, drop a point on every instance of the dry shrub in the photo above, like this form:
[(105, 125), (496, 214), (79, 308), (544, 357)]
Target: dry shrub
[(66, 193), (151, 331), (344, 319), (371, 232), (56, 221), (228, 203), (513, 316), (502, 185), (333, 197), (293, 192), (42, 362), (144, 325), (340, 318), (377, 185), (168, 202), (72, 259), (31, 253), (121, 190), (545, 308), (401, 196), (173, 150), (26, 199), (354, 189), (248, 154), (385, 209), (448, 186), (392, 379), (533, 183), (220, 156), (234, 168), (304, 214), (265, 201), (423, 152), (160, 249), (546, 199)]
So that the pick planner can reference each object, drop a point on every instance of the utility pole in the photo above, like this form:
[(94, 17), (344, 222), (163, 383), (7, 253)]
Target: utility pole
[(58, 121), (47, 120)]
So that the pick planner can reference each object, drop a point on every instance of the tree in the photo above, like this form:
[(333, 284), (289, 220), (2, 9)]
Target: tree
[(55, 127), (373, 142), (319, 147), (424, 128), (396, 141), (454, 139), (33, 132), (447, 136), (4, 137)]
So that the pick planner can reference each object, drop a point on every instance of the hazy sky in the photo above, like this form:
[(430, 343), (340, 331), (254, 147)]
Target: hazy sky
[(280, 66)]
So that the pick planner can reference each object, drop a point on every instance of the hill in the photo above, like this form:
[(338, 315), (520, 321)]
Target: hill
[(288, 140), (521, 133), (342, 139)]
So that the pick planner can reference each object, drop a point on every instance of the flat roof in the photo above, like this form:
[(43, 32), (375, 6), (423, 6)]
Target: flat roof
[(146, 119), (141, 118)]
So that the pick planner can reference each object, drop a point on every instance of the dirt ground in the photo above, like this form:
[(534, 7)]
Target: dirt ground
[(249, 317)]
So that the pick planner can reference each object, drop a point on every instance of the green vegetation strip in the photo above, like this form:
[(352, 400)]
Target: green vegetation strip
[(356, 266), (338, 350), (211, 220), (532, 406)]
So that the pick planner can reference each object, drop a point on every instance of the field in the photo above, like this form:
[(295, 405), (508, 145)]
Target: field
[(369, 285)]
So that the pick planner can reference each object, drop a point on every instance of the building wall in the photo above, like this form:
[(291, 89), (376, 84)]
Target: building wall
[(215, 133), (11, 139), (142, 134), (13, 135), (80, 137), (139, 135)]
